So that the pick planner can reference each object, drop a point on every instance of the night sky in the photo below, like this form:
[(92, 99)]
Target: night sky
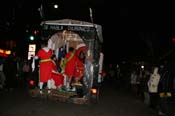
[(134, 30), (142, 30), (19, 14)]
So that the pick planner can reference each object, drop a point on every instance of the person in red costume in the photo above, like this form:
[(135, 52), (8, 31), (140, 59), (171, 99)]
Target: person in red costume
[(69, 61), (79, 72), (56, 76), (45, 70)]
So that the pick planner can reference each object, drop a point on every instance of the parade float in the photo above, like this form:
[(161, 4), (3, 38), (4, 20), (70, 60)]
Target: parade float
[(83, 36)]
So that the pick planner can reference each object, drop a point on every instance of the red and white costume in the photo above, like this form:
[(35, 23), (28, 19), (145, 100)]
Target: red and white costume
[(70, 64), (58, 78), (45, 71), (79, 72)]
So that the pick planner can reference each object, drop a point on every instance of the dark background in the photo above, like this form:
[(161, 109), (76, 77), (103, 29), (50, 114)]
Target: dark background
[(141, 30)]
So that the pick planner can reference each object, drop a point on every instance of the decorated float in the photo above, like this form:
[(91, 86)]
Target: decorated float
[(85, 37)]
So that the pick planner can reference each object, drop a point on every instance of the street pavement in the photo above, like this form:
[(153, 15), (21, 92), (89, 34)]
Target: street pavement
[(113, 102)]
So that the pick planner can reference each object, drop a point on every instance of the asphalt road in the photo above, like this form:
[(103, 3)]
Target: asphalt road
[(112, 103)]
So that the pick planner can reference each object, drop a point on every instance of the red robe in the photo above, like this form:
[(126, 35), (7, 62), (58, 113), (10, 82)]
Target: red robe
[(58, 78), (79, 72), (70, 65), (45, 70)]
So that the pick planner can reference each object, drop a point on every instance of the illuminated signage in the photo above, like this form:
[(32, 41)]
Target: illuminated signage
[(31, 54), (5, 51), (32, 47)]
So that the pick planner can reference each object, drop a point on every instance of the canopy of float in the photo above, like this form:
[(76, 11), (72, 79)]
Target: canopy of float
[(59, 39), (86, 30)]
